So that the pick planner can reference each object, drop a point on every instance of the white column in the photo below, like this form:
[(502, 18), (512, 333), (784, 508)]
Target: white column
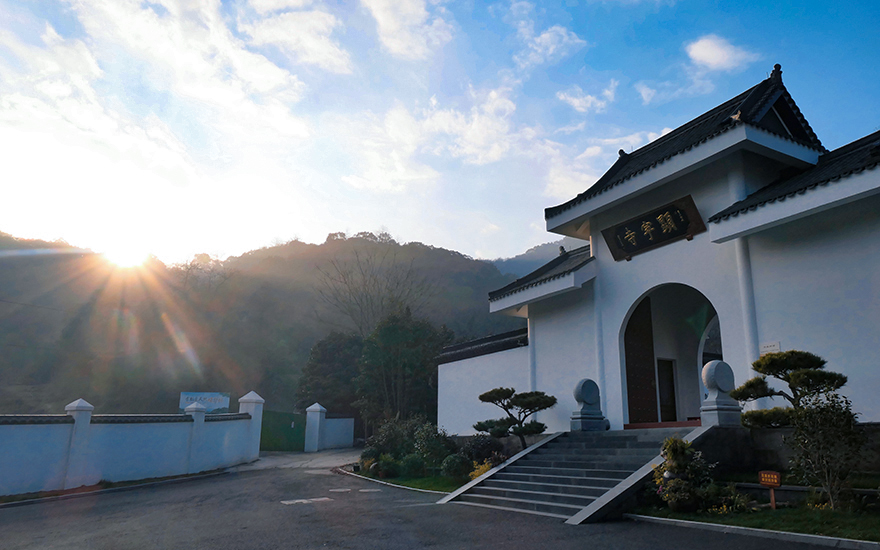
[(79, 470), (196, 458), (315, 418), (533, 358), (600, 345), (747, 299), (253, 405)]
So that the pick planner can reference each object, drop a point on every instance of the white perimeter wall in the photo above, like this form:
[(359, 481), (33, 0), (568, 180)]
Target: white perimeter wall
[(460, 384), (53, 456), (817, 289), (339, 433)]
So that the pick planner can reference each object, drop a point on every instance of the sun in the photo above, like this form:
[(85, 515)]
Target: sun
[(126, 257)]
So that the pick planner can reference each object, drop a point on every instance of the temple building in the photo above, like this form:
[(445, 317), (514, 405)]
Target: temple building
[(734, 235)]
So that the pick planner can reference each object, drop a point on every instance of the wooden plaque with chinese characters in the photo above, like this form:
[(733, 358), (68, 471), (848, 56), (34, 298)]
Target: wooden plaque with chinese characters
[(675, 221)]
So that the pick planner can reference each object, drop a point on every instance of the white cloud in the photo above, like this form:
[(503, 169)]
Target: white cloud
[(571, 129), (479, 136), (382, 151), (547, 47), (567, 176), (304, 36), (715, 53), (406, 29), (646, 92), (584, 103), (267, 6)]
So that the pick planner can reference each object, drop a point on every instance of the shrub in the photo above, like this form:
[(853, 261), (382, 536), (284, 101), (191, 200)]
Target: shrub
[(827, 442), (456, 466), (480, 469), (777, 417), (433, 444), (396, 437), (386, 466), (481, 447), (412, 466), (370, 453)]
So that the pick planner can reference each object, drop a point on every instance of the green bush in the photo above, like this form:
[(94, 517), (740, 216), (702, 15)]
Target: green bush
[(456, 466), (481, 447), (396, 437), (412, 465), (433, 444), (386, 466), (827, 443), (777, 417), (370, 453)]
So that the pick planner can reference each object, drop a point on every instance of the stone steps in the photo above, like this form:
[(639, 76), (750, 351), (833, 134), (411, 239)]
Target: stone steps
[(568, 473)]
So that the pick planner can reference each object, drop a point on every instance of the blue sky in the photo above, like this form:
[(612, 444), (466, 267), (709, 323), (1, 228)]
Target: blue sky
[(176, 127)]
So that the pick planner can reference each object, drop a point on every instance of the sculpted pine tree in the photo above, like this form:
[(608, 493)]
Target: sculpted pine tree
[(519, 407), (802, 371)]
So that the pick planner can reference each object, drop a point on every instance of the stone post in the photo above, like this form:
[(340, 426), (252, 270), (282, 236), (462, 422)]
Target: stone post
[(252, 404), (315, 417), (79, 468), (719, 409), (196, 455), (588, 417)]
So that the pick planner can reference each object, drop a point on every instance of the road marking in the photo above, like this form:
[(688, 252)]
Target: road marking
[(340, 490), (369, 490), (306, 500)]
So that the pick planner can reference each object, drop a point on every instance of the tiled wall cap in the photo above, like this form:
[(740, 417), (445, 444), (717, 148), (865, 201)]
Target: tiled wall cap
[(79, 405), (252, 397), (194, 408)]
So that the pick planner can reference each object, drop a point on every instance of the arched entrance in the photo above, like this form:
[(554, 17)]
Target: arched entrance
[(669, 332)]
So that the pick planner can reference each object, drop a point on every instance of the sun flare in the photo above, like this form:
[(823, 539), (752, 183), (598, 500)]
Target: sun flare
[(127, 257)]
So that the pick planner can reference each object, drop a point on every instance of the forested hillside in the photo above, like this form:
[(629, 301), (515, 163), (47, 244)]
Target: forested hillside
[(129, 340)]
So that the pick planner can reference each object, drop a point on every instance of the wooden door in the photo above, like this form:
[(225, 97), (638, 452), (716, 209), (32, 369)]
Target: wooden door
[(666, 390), (638, 343)]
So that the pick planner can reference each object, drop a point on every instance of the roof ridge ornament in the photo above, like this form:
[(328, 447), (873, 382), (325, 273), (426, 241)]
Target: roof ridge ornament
[(776, 75), (622, 153), (736, 116)]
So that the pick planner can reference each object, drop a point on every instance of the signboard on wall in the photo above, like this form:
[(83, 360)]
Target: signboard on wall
[(675, 221), (214, 402)]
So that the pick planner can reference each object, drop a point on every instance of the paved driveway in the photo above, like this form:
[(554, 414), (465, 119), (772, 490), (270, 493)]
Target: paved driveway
[(309, 507)]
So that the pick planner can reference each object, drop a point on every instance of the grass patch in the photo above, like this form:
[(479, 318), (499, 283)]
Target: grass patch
[(862, 525), (433, 483)]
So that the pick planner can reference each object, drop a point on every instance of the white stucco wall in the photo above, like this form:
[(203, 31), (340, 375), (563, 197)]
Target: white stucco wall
[(564, 340), (817, 289), (339, 433), (120, 452), (40, 454), (33, 458), (460, 384)]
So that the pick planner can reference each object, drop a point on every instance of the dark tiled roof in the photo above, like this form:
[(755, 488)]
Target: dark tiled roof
[(558, 267), (749, 107), (36, 419), (139, 418), (862, 154), (484, 346), (221, 417)]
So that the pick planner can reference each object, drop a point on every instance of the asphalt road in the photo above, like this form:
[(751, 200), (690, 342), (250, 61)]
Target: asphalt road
[(245, 510)]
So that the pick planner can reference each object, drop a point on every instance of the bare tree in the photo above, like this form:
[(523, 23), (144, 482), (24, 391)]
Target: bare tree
[(202, 272), (371, 286)]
